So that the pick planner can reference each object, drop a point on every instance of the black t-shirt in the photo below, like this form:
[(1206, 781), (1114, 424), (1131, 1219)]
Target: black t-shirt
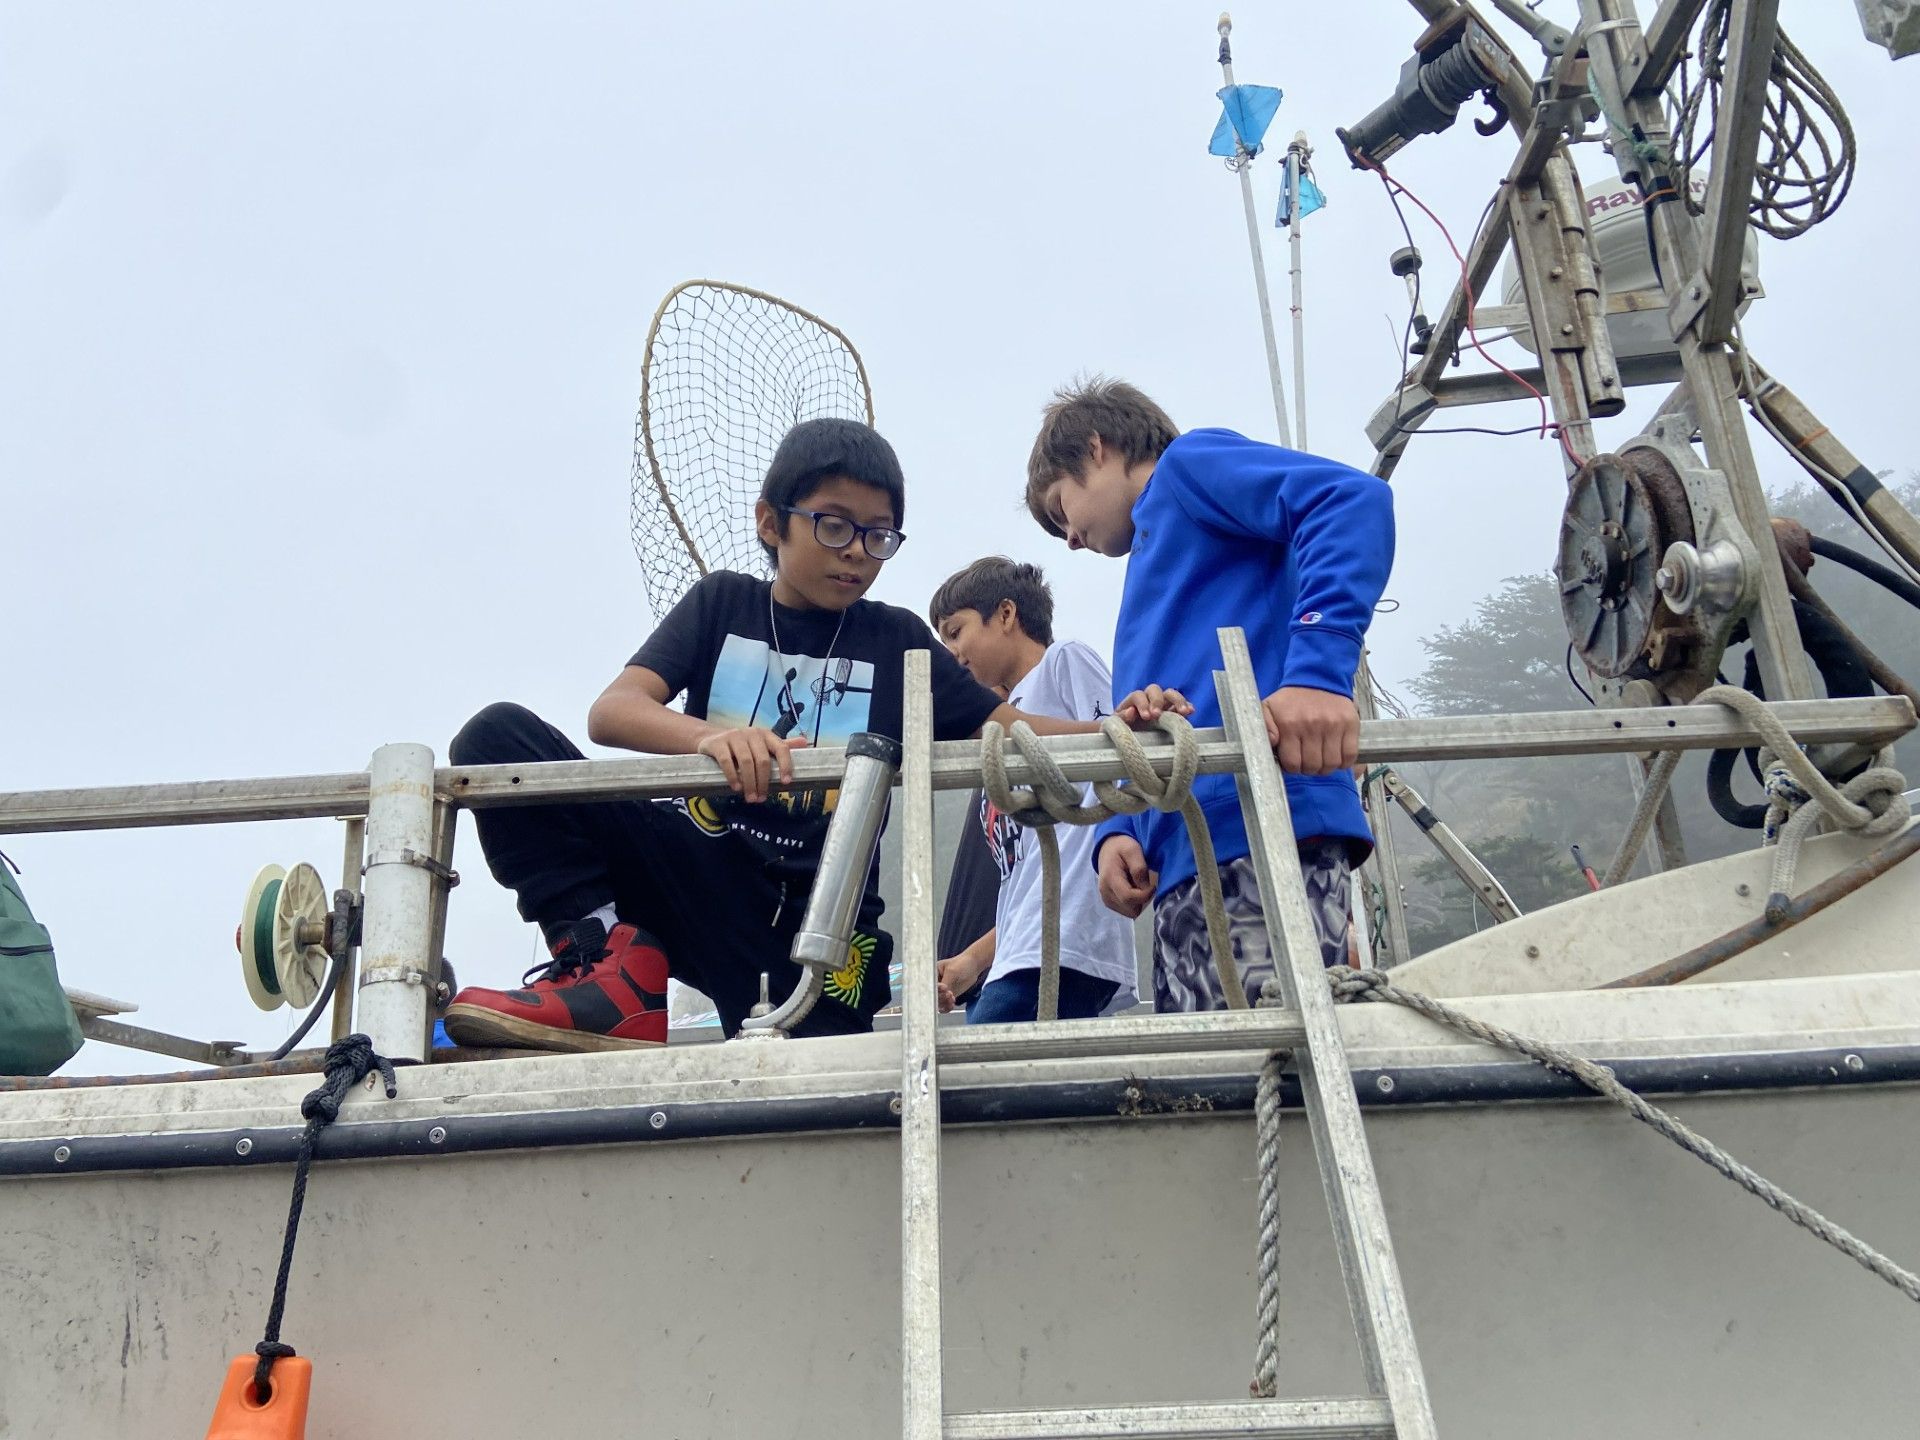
[(973, 888), (831, 675)]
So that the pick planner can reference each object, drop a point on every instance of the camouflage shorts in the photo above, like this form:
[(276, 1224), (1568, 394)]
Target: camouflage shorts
[(1184, 975)]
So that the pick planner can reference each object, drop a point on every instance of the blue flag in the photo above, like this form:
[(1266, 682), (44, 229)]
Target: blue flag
[(1246, 112), (1310, 200)]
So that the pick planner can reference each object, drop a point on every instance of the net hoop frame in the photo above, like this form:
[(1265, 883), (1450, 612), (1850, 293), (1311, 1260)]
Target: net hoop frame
[(646, 387)]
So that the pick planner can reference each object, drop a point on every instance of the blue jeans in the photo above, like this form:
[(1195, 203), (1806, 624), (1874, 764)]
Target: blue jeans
[(1017, 997)]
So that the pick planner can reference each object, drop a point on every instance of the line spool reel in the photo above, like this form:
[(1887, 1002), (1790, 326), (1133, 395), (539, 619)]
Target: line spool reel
[(283, 937)]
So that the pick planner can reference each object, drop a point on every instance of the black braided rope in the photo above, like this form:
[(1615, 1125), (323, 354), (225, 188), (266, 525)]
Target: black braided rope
[(347, 1063)]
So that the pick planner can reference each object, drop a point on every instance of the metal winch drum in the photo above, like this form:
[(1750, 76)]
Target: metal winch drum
[(1655, 572), (1623, 512)]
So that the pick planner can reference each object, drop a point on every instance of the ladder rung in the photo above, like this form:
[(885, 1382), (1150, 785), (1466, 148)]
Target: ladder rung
[(1274, 1029), (1355, 1419)]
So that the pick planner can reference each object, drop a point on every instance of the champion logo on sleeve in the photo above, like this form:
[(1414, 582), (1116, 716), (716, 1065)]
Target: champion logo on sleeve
[(1312, 617)]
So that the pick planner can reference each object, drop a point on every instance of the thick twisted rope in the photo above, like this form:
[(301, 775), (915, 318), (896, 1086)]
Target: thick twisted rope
[(1056, 800), (1871, 804), (348, 1062), (1266, 1126), (1807, 149), (1652, 793), (1266, 1118), (1352, 985)]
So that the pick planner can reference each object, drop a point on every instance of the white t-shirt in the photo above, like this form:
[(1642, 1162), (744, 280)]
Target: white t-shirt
[(1073, 683)]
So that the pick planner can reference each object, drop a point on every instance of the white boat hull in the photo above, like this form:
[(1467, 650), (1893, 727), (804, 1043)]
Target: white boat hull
[(1569, 1272)]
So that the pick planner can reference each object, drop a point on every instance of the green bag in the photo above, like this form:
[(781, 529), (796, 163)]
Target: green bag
[(38, 1031)]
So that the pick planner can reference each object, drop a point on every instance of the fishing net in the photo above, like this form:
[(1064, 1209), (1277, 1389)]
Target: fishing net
[(728, 372)]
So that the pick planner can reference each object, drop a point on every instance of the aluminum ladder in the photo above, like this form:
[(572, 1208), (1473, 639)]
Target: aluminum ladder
[(1396, 1404)]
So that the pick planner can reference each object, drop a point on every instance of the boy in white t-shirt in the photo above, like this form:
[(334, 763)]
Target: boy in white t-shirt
[(996, 617)]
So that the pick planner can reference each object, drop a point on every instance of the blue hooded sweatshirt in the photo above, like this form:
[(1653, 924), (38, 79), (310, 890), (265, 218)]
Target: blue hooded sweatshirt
[(1292, 548)]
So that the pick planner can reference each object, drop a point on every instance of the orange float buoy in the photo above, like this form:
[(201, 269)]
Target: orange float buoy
[(282, 1416)]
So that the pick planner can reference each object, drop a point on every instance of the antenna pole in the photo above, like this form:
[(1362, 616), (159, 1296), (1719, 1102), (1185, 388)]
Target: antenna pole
[(1298, 153), (1242, 162)]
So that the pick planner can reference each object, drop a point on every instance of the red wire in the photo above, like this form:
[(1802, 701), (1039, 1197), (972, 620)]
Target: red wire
[(1466, 289)]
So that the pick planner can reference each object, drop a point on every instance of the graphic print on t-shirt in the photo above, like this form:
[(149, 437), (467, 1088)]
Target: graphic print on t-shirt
[(825, 701), (1003, 837)]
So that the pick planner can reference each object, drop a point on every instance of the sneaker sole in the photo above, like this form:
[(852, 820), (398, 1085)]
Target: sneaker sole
[(476, 1025)]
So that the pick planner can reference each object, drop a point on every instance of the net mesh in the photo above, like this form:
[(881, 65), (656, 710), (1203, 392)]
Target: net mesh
[(728, 372)]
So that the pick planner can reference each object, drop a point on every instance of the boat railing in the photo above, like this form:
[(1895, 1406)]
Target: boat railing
[(401, 816)]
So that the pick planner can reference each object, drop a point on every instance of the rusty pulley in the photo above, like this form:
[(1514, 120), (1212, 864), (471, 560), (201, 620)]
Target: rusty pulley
[(1622, 513)]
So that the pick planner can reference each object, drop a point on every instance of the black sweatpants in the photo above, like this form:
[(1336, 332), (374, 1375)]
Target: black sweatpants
[(715, 904)]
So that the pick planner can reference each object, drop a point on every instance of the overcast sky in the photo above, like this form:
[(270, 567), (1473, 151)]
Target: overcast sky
[(321, 331)]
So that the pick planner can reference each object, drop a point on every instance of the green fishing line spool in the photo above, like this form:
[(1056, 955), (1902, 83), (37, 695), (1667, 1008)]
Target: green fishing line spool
[(282, 937)]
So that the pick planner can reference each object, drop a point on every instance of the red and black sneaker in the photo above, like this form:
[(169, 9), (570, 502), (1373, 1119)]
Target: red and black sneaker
[(600, 992)]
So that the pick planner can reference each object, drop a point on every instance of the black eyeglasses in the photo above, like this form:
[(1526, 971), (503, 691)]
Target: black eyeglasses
[(836, 532)]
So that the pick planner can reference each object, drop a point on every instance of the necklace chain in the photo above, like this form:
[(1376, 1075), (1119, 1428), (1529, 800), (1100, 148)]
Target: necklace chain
[(826, 665)]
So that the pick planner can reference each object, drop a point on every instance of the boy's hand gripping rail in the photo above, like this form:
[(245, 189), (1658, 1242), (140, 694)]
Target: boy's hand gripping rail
[(846, 859)]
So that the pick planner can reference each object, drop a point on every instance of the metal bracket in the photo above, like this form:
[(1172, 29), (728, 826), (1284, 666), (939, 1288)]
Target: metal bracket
[(1484, 885), (392, 975), (1551, 38), (1554, 294), (1400, 416), (1561, 100), (160, 1042), (343, 923), (1688, 301), (1651, 57), (412, 857), (1892, 23), (1676, 424)]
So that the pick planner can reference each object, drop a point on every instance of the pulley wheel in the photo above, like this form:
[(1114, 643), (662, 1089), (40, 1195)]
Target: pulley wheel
[(1611, 543), (254, 938), (300, 968)]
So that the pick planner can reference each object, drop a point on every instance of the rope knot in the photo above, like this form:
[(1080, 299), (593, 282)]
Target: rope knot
[(1782, 788), (347, 1063), (1785, 796), (1054, 800), (1801, 801), (268, 1351), (1881, 792), (1349, 985)]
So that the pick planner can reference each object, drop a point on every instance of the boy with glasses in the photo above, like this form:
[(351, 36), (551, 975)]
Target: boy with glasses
[(712, 891)]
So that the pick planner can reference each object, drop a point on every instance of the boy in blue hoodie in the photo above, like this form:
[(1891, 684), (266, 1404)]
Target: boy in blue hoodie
[(1221, 530)]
